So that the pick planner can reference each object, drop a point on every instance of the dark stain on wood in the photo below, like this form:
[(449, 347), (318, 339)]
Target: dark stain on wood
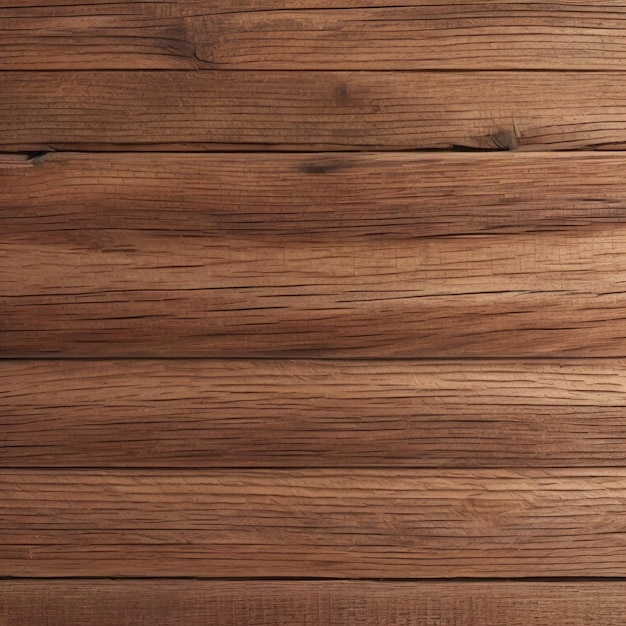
[(341, 93), (324, 167)]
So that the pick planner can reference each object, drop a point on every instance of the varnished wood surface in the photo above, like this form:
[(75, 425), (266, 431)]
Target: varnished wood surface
[(310, 110), (341, 603), (173, 413), (315, 523), (301, 35)]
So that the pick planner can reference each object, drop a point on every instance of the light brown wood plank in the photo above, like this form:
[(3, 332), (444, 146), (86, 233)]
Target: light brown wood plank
[(170, 110), (317, 413), (380, 256), (270, 603), (316, 523), (313, 34)]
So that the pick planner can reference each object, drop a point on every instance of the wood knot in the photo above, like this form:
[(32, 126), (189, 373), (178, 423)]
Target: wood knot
[(37, 158), (322, 167), (504, 140)]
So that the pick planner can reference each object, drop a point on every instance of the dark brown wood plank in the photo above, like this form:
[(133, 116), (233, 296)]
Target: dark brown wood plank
[(322, 413), (170, 110), (307, 255), (313, 34), (316, 523), (316, 603)]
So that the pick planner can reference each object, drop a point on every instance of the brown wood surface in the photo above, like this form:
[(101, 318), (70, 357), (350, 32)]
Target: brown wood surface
[(264, 413), (283, 110), (315, 603), (313, 34), (322, 196), (518, 296), (397, 233), (205, 259), (315, 523)]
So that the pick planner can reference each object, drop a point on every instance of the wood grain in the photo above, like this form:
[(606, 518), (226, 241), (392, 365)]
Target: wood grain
[(341, 603), (136, 256), (170, 110), (264, 413), (312, 34), (522, 296), (273, 324), (316, 523), (322, 197)]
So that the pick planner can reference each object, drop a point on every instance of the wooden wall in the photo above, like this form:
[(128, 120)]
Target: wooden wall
[(312, 312)]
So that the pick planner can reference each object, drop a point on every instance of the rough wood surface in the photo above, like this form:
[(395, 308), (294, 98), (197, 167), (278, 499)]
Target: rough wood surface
[(117, 264), (323, 413), (323, 197), (518, 296), (341, 603), (313, 34), (304, 191), (315, 523), (283, 110)]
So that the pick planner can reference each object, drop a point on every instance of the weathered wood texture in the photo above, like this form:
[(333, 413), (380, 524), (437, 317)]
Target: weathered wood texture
[(340, 603), (381, 255), (170, 110), (322, 413), (321, 197), (316, 523), (358, 468), (313, 34)]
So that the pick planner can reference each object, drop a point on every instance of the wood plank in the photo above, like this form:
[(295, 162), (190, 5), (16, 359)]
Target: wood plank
[(313, 34), (315, 603), (320, 196), (300, 255), (314, 413), (170, 110), (315, 523)]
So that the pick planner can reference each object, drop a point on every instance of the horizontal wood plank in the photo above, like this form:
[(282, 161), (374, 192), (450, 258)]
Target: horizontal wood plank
[(321, 196), (316, 523), (319, 413), (315, 603), (313, 255), (170, 110), (313, 34)]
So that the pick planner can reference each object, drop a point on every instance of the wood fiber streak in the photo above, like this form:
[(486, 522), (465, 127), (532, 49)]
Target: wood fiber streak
[(316, 523), (170, 110), (313, 35), (341, 603), (320, 413), (248, 257)]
